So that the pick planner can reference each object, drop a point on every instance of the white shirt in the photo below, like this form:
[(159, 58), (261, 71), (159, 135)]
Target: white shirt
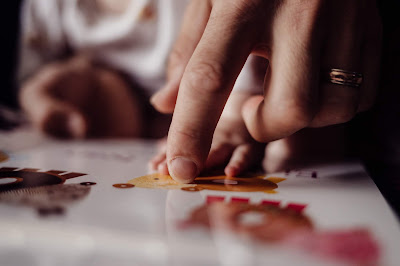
[(136, 42)]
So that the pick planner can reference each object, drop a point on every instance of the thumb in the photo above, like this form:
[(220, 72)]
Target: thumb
[(164, 100)]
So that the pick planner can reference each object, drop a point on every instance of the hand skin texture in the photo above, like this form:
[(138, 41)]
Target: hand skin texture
[(232, 146), (300, 39)]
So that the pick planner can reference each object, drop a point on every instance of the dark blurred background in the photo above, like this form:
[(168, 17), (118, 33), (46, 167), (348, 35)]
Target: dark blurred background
[(390, 10), (9, 48)]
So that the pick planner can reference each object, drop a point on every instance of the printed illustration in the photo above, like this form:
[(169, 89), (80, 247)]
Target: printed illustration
[(251, 183), (306, 173), (44, 191), (268, 222), (3, 157)]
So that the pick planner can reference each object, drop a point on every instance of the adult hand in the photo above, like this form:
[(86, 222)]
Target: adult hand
[(301, 39)]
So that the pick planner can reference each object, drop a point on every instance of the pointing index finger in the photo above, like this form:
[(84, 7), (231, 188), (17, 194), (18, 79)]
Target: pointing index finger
[(204, 89)]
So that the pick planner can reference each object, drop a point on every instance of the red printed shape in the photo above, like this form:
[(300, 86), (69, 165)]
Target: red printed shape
[(296, 207), (212, 199), (240, 200), (30, 169), (55, 172), (271, 202), (72, 175), (8, 169)]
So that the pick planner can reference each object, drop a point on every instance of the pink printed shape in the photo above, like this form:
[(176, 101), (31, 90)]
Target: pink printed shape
[(356, 246), (271, 202), (296, 207), (240, 200), (212, 199)]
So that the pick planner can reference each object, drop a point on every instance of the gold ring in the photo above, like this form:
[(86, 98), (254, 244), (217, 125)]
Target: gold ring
[(346, 78)]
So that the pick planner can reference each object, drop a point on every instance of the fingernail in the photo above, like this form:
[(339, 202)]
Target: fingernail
[(183, 170), (231, 171)]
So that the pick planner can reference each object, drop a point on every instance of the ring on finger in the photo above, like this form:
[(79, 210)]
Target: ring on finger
[(344, 77)]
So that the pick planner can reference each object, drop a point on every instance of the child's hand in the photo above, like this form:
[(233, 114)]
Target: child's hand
[(74, 99), (232, 145)]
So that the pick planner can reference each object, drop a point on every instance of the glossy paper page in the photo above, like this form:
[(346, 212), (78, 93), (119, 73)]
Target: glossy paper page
[(96, 203)]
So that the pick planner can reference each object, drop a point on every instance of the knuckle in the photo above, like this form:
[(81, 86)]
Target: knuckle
[(187, 133), (258, 136), (205, 77), (284, 125), (287, 117)]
